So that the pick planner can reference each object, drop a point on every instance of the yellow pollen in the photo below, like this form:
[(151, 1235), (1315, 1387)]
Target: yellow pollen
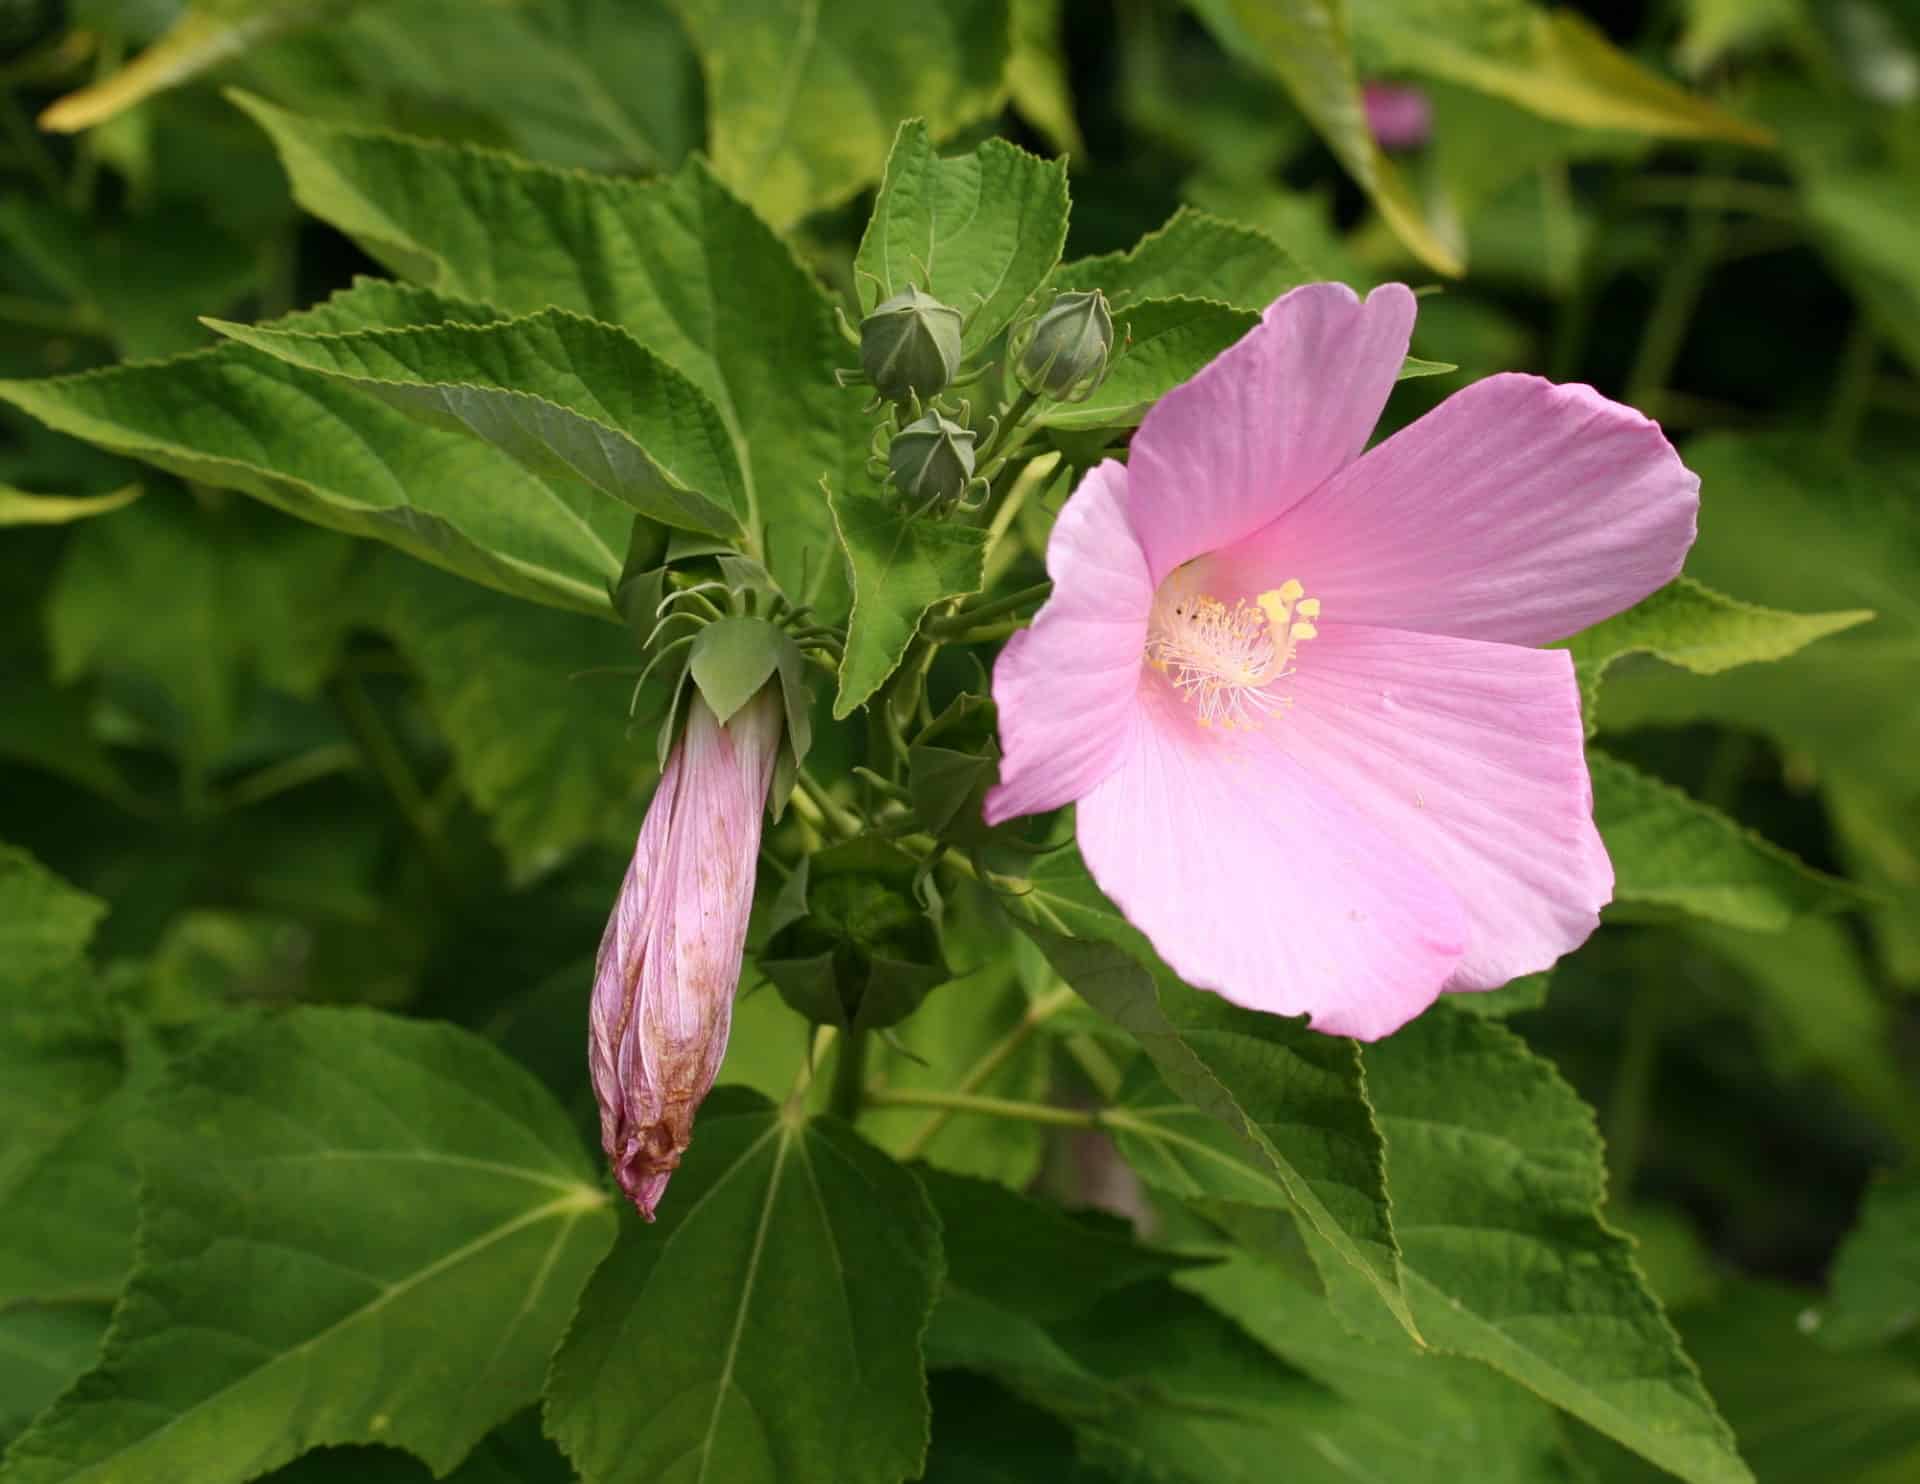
[(1224, 660)]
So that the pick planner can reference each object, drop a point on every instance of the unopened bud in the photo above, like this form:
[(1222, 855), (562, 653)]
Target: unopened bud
[(670, 958), (1062, 355), (931, 460), (910, 346)]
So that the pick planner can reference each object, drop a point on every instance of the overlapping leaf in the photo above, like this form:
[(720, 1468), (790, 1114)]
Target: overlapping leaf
[(680, 264), (326, 1199), (768, 1327), (1673, 851), (1496, 1174), (980, 231), (1292, 1102), (565, 395), (321, 450), (898, 566)]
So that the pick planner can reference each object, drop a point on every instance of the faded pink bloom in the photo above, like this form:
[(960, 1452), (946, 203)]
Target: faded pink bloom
[(1293, 690), (1399, 117), (670, 958)]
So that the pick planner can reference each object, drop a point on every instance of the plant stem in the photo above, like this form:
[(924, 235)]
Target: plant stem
[(1678, 295), (1632, 1088), (849, 1077), (1038, 1013), (959, 1102), (840, 820), (1853, 387), (966, 618), (369, 730), (291, 773)]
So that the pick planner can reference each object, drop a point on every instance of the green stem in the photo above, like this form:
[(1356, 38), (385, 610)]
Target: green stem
[(1627, 1104), (966, 618), (1853, 388), (31, 314), (849, 1077), (1022, 405), (369, 730), (1677, 297), (960, 1102), (291, 773), (839, 819), (1038, 1013), (33, 148)]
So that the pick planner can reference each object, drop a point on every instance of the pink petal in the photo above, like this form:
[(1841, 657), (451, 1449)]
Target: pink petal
[(1267, 422), (1470, 756), (1254, 879), (1065, 686), (1516, 511)]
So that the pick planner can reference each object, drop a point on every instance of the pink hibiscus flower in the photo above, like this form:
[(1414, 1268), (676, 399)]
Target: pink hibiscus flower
[(1293, 690)]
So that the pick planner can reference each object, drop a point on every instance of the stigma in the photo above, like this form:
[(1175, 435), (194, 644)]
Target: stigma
[(1225, 659)]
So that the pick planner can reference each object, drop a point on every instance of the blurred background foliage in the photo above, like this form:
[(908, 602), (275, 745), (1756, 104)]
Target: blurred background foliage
[(305, 769)]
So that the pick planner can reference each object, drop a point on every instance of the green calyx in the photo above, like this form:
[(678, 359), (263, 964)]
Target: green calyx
[(930, 461), (1063, 353), (910, 346)]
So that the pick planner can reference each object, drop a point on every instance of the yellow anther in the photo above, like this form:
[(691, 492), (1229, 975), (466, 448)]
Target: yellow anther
[(1290, 590), (1302, 631), (1308, 608)]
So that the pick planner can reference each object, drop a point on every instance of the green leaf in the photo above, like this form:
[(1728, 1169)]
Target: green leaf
[(1303, 43), (1690, 625), (1162, 342), (1155, 1385), (45, 924), (1818, 1012), (944, 1042), (321, 1266), (198, 607), (238, 419), (1495, 1169), (562, 394), (1292, 1102), (1805, 1414), (1673, 851), (1875, 1282), (680, 264), (1410, 1415), (803, 97), (768, 1327), (899, 565), (1807, 530), (204, 36), (546, 756), (66, 1174), (1556, 64), (1032, 1257), (980, 232), (1529, 992), (1037, 82), (19, 508), (1195, 255)]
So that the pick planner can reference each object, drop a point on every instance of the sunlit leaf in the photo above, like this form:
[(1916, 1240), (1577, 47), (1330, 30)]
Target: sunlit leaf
[(980, 231), (803, 97)]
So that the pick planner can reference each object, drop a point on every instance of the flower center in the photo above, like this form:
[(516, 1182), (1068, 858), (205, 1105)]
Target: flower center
[(1224, 659)]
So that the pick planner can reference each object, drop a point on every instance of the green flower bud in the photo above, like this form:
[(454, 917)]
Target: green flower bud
[(910, 346), (931, 460), (1063, 353)]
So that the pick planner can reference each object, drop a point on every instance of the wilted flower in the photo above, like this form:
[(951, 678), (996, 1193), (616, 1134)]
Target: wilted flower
[(670, 958), (1292, 689), (1399, 117), (1063, 353)]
